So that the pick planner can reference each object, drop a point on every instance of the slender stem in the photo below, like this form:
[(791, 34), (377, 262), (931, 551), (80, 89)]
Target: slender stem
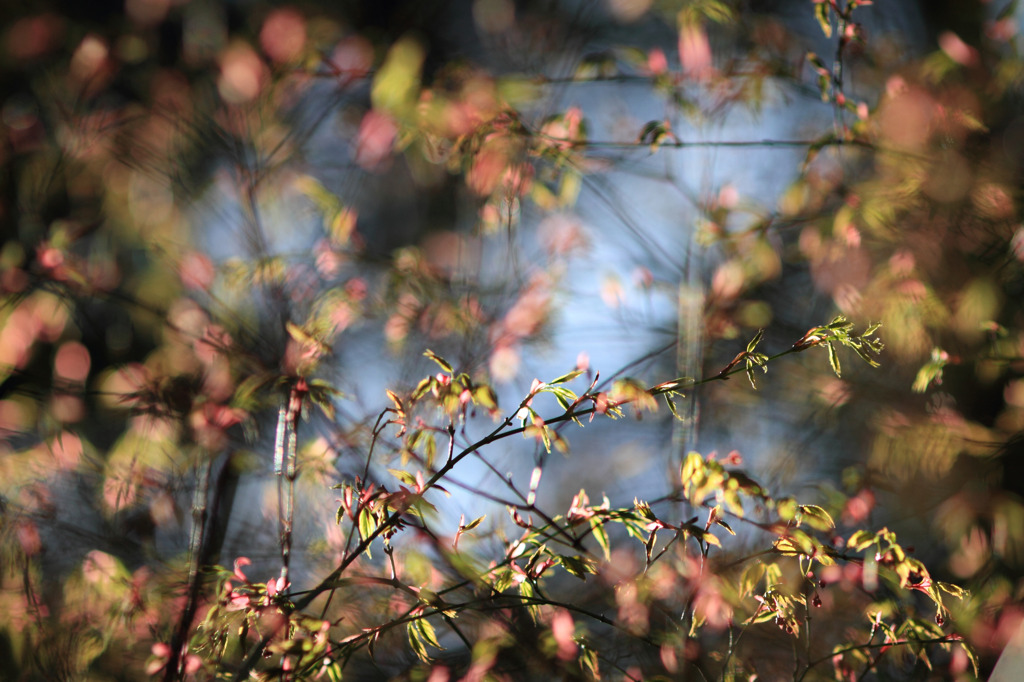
[(173, 668), (501, 431), (837, 69), (280, 441), (870, 646), (285, 466)]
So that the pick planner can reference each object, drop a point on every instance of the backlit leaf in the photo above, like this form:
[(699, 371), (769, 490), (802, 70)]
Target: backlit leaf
[(442, 363), (816, 517), (601, 535), (821, 13)]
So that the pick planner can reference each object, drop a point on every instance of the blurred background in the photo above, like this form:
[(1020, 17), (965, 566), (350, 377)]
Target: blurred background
[(198, 199)]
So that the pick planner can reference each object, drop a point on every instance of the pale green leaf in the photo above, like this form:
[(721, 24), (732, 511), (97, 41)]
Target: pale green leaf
[(438, 359), (601, 535), (816, 517)]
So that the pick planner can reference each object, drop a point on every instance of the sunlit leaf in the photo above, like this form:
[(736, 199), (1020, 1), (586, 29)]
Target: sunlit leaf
[(833, 358), (972, 656), (367, 525), (565, 378), (710, 539), (474, 523), (397, 82), (861, 540), (931, 372), (816, 517), (441, 362), (485, 396), (569, 189), (726, 526), (577, 565), (955, 590), (526, 591), (601, 535), (427, 631), (403, 476), (416, 641), (752, 345), (821, 13), (750, 577), (654, 133)]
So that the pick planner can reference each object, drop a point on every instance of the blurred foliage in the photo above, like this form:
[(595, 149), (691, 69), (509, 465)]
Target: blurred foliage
[(207, 211)]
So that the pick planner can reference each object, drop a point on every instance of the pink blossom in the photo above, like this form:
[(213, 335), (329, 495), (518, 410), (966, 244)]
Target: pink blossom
[(657, 63), (957, 50), (563, 630), (283, 35), (695, 52), (375, 140), (239, 563)]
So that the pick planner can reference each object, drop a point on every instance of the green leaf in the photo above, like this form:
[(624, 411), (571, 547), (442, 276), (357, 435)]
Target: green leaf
[(439, 360), (816, 517), (430, 451), (367, 524), (542, 196), (693, 466), (750, 376), (526, 591), (299, 334), (504, 580), (334, 672), (726, 526), (672, 406), (955, 590), (416, 641), (643, 509), (751, 576), (796, 542), (339, 225), (710, 539), (396, 400), (654, 133), (821, 13), (485, 395), (473, 524), (816, 62), (756, 340), (589, 661), (325, 200), (931, 372), (601, 535), (323, 387), (570, 187), (971, 656), (635, 529), (833, 358), (764, 616), (861, 540), (716, 11), (787, 508), (825, 559), (423, 387), (322, 400), (427, 631), (566, 377), (245, 393), (403, 476), (543, 433), (577, 565), (396, 85)]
